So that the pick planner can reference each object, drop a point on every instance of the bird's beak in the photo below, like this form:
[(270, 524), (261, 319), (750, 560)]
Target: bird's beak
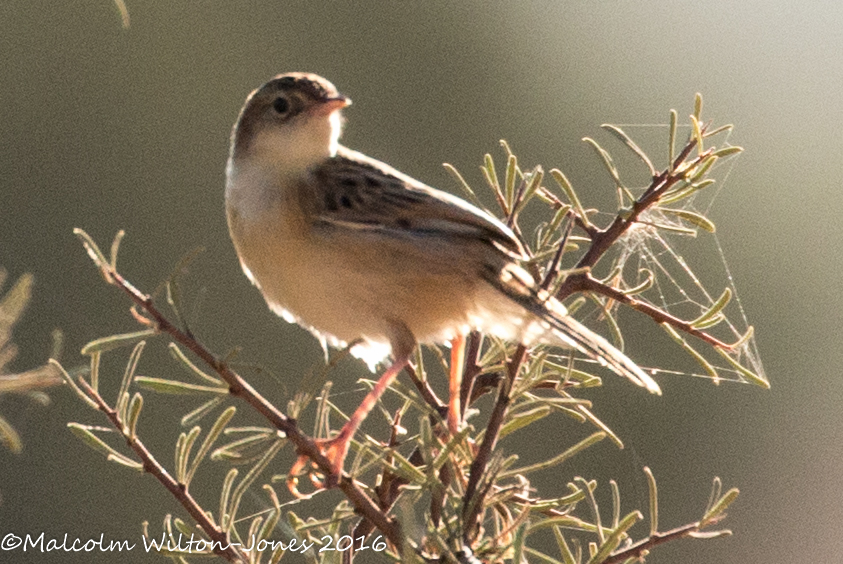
[(330, 105)]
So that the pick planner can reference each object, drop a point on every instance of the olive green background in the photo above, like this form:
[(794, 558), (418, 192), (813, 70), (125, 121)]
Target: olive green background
[(108, 128)]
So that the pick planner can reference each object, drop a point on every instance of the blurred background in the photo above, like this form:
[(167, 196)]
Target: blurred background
[(107, 128)]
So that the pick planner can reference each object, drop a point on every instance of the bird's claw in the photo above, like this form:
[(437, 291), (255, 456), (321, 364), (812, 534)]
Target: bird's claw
[(332, 449)]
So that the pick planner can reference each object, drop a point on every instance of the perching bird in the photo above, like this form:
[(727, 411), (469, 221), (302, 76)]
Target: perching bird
[(350, 248)]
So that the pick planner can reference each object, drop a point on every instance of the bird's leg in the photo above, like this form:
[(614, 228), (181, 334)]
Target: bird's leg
[(455, 382), (336, 449)]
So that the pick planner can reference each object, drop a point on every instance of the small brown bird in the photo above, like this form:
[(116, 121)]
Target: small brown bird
[(350, 248)]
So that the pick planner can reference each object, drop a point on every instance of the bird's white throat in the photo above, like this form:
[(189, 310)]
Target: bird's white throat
[(295, 147), (280, 154)]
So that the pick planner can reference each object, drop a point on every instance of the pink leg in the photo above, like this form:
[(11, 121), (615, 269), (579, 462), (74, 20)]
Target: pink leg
[(455, 383), (336, 449)]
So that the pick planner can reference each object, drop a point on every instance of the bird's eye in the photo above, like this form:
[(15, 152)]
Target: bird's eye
[(281, 105)]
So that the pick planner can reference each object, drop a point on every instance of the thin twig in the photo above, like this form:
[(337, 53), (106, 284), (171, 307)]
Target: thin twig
[(553, 268), (603, 240), (238, 387), (641, 547), (585, 283), (490, 438), (220, 539), (427, 393)]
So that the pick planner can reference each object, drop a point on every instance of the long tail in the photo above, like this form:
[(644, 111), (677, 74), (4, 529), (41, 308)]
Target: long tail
[(565, 330), (580, 337)]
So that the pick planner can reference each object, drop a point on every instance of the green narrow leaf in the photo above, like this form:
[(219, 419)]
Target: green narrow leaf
[(523, 419), (719, 507), (533, 184), (278, 553), (489, 173), (592, 503), (181, 462), (696, 131), (213, 435), (505, 145), (746, 337), (95, 370), (165, 386), (574, 305), (123, 409), (491, 177), (563, 183), (560, 503), (643, 286), (179, 457), (721, 129), (615, 537), (125, 461), (254, 527), (463, 184), (690, 350), (673, 228), (627, 140), (697, 106), (654, 501), (616, 504), (251, 476), (115, 246), (554, 224), (691, 217), (183, 528), (16, 299), (518, 543), (90, 439), (710, 322), (269, 525), (194, 416), (542, 557), (128, 374), (67, 378), (10, 437), (564, 549), (590, 417), (566, 521), (91, 247), (559, 458), (715, 308), (677, 194), (511, 168), (452, 444), (236, 450), (714, 495), (111, 342), (403, 468), (225, 495), (727, 151), (699, 171), (607, 161), (180, 356), (134, 413), (744, 371)]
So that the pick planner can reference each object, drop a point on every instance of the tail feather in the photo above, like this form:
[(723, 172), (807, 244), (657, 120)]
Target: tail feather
[(580, 337), (564, 329)]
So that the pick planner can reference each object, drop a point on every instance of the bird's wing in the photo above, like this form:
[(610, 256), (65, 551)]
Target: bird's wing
[(355, 191)]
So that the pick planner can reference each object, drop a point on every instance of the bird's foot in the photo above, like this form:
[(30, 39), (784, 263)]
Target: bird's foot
[(335, 451)]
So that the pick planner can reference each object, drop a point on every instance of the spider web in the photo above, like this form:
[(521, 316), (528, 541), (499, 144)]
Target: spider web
[(656, 249)]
